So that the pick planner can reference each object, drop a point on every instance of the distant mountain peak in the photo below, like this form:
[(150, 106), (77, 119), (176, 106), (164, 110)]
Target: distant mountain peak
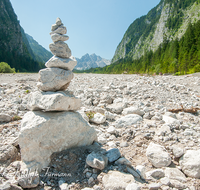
[(91, 61)]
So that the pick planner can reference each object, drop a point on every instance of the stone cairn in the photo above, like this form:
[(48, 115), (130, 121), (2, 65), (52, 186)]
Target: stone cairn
[(52, 124)]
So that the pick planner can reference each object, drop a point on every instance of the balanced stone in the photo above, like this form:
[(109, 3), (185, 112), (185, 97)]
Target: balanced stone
[(60, 30), (54, 79), (53, 101), (59, 37), (58, 62), (58, 22), (60, 49), (43, 133)]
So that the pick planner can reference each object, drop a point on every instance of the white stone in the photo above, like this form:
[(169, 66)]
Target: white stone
[(190, 163), (177, 151), (157, 174), (59, 37), (97, 160), (158, 156), (60, 30), (60, 49), (58, 62), (58, 22), (98, 118), (116, 180), (170, 120), (43, 133), (53, 101), (54, 79), (176, 174), (110, 115), (127, 120), (132, 110), (115, 108), (111, 130), (133, 186), (5, 117), (8, 153)]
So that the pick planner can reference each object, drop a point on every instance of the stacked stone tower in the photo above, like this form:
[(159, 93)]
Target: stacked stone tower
[(53, 124)]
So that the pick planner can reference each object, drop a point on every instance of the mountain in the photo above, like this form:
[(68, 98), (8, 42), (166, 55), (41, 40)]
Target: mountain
[(166, 40), (14, 47), (91, 61), (167, 21), (40, 53)]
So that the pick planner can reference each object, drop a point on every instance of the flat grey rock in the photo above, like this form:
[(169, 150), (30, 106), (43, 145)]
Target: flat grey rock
[(60, 49), (54, 79), (60, 30), (53, 101), (61, 63), (158, 156), (127, 120), (59, 37)]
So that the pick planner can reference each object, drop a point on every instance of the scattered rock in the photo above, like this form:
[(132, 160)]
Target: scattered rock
[(98, 118), (113, 154), (127, 120), (132, 110), (158, 156), (190, 163), (5, 117), (97, 160), (117, 180)]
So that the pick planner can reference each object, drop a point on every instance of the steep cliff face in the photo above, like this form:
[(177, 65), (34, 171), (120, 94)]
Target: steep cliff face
[(40, 53), (14, 46), (167, 21)]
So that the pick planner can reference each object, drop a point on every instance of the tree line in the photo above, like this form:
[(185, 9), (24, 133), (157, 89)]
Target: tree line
[(176, 56)]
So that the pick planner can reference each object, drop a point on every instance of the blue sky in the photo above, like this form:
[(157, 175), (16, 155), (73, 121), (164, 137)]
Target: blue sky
[(92, 26)]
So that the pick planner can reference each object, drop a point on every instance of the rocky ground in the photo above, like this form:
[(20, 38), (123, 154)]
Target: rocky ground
[(144, 141)]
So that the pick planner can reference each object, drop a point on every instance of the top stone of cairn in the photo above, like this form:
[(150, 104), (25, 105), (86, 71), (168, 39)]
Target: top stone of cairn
[(55, 26)]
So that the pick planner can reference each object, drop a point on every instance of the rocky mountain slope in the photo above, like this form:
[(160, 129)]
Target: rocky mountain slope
[(40, 53), (91, 61), (18, 49), (169, 20)]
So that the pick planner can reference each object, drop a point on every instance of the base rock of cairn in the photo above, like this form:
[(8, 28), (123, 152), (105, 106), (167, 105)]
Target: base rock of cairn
[(52, 125)]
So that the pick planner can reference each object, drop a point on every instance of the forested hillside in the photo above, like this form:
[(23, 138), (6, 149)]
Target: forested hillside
[(14, 47), (176, 56), (166, 40)]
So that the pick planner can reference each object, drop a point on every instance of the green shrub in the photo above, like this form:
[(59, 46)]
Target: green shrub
[(16, 118), (90, 114), (5, 68)]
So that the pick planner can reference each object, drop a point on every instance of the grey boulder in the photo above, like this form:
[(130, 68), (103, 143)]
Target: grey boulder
[(190, 163), (54, 79), (43, 133), (60, 30), (97, 160), (60, 49), (61, 63), (158, 156), (53, 101), (59, 37)]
